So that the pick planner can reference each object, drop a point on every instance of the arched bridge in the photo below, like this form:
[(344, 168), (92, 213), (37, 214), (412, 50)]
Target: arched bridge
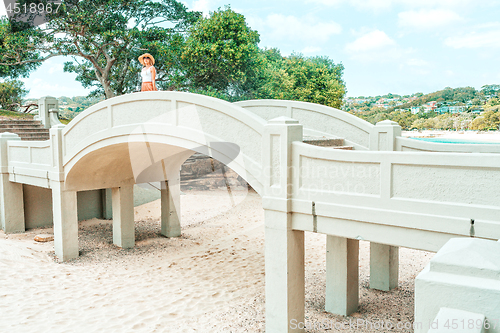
[(388, 190)]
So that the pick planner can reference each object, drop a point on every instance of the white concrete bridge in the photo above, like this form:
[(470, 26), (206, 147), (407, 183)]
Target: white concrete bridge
[(389, 190)]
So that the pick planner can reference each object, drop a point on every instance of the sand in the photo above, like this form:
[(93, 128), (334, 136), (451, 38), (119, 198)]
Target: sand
[(211, 279)]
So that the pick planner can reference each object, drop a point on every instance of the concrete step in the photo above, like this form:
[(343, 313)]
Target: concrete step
[(27, 129), (24, 130), (323, 142), (20, 122), (36, 138), (344, 147), (337, 143)]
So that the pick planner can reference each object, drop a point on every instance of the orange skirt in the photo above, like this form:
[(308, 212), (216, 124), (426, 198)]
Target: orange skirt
[(148, 86)]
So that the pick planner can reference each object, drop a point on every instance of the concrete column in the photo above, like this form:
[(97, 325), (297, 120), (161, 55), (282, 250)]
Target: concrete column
[(64, 210), (11, 194), (11, 205), (123, 216), (342, 289), (107, 204), (285, 281), (170, 208), (284, 249), (384, 266)]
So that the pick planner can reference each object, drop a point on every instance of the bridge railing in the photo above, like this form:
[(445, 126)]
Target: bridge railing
[(30, 162), (411, 199), (318, 120), (190, 121)]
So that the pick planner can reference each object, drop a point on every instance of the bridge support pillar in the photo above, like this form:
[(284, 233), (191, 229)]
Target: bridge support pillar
[(11, 194), (284, 248), (107, 203), (342, 288), (170, 207), (65, 215), (123, 216), (285, 278), (384, 266)]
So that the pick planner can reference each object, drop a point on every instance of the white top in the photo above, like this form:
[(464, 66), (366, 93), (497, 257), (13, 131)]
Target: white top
[(146, 74)]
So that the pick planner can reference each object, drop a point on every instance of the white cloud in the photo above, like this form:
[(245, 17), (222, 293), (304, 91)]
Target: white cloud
[(475, 39), (417, 62), (58, 68), (377, 47), (311, 49), (307, 29), (426, 19), (373, 40), (3, 11), (202, 6), (38, 88), (386, 4)]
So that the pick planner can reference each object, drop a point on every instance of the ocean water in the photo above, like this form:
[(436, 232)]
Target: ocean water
[(449, 140)]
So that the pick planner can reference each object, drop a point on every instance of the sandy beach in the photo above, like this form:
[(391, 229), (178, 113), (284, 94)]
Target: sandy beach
[(479, 136), (209, 280)]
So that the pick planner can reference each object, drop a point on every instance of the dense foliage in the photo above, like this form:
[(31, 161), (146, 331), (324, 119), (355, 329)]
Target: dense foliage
[(12, 93), (315, 80), (217, 56), (221, 54), (105, 37)]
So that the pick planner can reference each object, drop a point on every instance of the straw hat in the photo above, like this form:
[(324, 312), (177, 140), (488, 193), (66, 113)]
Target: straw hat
[(146, 55)]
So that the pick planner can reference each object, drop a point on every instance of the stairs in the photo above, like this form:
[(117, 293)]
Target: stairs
[(324, 142), (200, 172), (27, 129)]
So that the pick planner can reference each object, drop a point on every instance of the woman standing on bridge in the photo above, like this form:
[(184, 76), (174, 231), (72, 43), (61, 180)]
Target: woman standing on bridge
[(148, 72)]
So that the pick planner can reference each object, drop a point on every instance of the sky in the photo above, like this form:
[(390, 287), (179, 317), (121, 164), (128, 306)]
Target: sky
[(386, 46)]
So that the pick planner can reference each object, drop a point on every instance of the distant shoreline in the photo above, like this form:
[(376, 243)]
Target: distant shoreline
[(487, 136)]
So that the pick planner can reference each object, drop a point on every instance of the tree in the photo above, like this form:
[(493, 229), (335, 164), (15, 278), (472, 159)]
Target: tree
[(221, 55), (7, 40), (489, 120), (106, 36), (490, 90), (404, 119), (12, 94), (419, 124), (316, 80)]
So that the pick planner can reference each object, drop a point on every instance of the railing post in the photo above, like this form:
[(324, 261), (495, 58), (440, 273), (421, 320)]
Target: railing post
[(64, 202), (11, 194), (384, 259), (384, 135), (46, 106), (284, 247)]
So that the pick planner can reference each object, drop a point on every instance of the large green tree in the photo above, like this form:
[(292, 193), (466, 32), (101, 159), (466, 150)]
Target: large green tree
[(105, 37), (221, 55), (316, 80)]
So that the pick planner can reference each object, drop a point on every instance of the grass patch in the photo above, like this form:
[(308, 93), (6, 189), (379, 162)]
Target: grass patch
[(15, 115)]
